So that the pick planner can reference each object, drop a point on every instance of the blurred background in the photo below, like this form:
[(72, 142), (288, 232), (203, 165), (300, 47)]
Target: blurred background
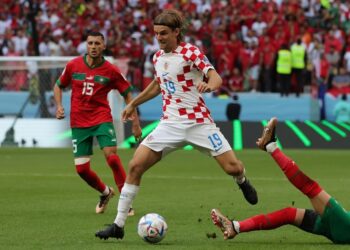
[(284, 58)]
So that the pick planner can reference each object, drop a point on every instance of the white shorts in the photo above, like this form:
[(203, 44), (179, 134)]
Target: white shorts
[(168, 137)]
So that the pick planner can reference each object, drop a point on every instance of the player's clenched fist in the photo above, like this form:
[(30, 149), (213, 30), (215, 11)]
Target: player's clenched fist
[(60, 113)]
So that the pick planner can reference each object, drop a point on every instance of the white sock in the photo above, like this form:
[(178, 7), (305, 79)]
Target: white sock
[(126, 198), (271, 147), (241, 178), (106, 191), (236, 226)]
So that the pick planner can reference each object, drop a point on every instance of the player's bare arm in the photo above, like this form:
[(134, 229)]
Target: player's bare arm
[(136, 128), (214, 82), (57, 93), (150, 92)]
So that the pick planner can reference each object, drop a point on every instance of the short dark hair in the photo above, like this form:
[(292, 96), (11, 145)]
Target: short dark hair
[(95, 33)]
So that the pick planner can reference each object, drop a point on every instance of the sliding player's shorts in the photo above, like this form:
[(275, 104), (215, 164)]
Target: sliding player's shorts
[(334, 223), (168, 137)]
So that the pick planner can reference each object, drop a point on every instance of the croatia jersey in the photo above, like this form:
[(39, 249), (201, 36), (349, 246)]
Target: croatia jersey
[(178, 72), (90, 87)]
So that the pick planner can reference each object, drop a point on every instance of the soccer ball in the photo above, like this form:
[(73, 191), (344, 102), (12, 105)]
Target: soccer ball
[(152, 228)]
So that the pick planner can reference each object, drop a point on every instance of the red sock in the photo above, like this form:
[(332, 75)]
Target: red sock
[(268, 221), (301, 181), (118, 171), (90, 176)]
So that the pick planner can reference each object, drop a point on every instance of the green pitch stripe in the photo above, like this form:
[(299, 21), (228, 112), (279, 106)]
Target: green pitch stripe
[(334, 128), (145, 131), (264, 123), (298, 133), (344, 125), (237, 135), (318, 130)]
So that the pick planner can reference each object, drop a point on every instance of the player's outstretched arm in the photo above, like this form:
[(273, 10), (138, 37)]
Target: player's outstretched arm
[(57, 93), (136, 128)]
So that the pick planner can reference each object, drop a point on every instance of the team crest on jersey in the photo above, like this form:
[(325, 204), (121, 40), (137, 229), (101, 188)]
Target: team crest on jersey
[(166, 65)]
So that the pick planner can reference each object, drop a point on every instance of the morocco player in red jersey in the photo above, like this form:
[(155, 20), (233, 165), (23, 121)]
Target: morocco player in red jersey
[(180, 69), (91, 78)]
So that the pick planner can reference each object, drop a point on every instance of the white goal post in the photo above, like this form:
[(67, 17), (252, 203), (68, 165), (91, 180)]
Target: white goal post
[(32, 77)]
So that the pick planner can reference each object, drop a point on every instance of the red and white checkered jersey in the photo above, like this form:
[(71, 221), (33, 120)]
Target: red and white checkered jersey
[(178, 72)]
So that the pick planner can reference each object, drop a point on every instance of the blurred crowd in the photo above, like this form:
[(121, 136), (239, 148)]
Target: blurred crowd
[(242, 38)]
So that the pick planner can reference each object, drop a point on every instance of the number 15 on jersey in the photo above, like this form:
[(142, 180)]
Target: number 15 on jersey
[(88, 88)]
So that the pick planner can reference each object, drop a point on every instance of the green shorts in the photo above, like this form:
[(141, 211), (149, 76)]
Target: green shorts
[(334, 223), (82, 138)]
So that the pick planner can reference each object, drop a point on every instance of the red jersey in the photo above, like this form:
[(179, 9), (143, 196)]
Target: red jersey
[(90, 87)]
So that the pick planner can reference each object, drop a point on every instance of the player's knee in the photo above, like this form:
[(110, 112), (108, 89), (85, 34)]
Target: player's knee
[(136, 169), (234, 168)]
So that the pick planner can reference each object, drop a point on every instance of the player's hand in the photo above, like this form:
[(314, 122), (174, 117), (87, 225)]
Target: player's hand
[(137, 132), (60, 113), (128, 113), (203, 87)]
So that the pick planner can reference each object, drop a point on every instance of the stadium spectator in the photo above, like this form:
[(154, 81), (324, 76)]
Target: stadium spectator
[(281, 21), (82, 47), (148, 71), (91, 78), (342, 109), (259, 25), (299, 59), (186, 119), (4, 23), (268, 54), (327, 218), (321, 68), (51, 107), (284, 70), (66, 45), (44, 47), (21, 41), (234, 82), (254, 67)]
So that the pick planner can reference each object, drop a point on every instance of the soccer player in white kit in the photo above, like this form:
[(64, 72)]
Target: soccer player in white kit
[(180, 72)]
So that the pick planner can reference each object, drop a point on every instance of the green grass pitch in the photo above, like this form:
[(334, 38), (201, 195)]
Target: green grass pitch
[(45, 204)]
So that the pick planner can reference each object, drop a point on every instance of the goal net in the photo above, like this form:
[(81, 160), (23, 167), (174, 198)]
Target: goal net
[(26, 85)]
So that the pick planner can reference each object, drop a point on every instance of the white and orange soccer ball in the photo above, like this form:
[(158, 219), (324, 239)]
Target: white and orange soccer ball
[(152, 228)]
